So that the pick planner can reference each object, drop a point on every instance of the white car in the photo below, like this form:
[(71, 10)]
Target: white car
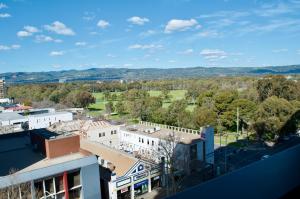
[(265, 157)]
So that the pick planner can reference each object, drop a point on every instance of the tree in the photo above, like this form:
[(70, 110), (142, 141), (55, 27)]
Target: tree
[(247, 111), (120, 108), (223, 99), (177, 114), (271, 115), (84, 99), (109, 108), (165, 93), (204, 116), (174, 158), (277, 86)]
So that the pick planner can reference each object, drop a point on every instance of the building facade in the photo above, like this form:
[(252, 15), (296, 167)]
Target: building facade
[(60, 169), (2, 88)]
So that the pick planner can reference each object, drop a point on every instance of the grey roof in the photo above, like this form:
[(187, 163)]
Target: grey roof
[(11, 116), (48, 114)]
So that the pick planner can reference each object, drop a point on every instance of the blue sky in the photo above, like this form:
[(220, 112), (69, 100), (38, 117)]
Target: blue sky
[(79, 34)]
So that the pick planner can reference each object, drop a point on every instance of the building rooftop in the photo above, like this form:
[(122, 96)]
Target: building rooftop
[(162, 133), (48, 114), (11, 116), (16, 152), (122, 161), (19, 154), (84, 125)]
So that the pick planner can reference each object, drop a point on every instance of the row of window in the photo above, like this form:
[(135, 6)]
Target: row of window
[(112, 132), (148, 142), (47, 188)]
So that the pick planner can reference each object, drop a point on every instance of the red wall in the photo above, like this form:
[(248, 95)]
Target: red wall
[(62, 146)]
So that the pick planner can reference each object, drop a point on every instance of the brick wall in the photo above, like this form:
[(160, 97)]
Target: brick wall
[(62, 146)]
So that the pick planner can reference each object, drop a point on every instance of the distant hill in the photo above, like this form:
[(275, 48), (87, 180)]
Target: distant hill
[(107, 74)]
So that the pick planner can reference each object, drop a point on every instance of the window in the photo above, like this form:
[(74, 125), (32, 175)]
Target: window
[(49, 186), (100, 135), (148, 142), (59, 184), (39, 192), (142, 140), (115, 131), (139, 139), (103, 134), (112, 132), (152, 143), (73, 179)]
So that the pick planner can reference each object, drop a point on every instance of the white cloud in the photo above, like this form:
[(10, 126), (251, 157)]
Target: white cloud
[(147, 33), (298, 52), (23, 34), (272, 10), (180, 25), (208, 33), (111, 55), (57, 53), (59, 28), (213, 54), (28, 31), (187, 51), (279, 50), (145, 47), (171, 61), (89, 16), (103, 24), (45, 38), (4, 15), (127, 65), (80, 43), (31, 29), (138, 20), (2, 5), (12, 47)]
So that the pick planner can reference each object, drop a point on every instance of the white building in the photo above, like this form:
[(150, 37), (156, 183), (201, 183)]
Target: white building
[(154, 141), (33, 119), (45, 120)]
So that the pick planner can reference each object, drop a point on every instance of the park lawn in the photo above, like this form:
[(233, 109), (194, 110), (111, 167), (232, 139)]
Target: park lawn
[(174, 94), (99, 107)]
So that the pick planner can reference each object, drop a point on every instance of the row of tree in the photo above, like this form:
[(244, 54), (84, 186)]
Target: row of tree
[(264, 104)]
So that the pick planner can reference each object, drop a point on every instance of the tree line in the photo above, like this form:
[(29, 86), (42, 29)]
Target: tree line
[(264, 104)]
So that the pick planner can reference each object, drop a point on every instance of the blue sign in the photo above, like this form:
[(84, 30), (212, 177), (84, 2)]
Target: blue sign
[(139, 184), (140, 167)]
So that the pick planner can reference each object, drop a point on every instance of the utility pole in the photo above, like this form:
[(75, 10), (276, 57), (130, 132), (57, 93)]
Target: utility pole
[(237, 123), (219, 124), (226, 153)]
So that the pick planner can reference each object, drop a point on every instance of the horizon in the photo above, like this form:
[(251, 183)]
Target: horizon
[(160, 68), (131, 34)]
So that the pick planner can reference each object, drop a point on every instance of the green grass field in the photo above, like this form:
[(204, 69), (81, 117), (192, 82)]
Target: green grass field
[(99, 107)]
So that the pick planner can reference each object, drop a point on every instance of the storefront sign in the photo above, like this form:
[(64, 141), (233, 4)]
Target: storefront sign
[(154, 171), (156, 178), (123, 182), (139, 184), (124, 190), (137, 177)]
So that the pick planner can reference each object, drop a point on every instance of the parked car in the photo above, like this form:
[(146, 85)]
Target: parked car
[(265, 157)]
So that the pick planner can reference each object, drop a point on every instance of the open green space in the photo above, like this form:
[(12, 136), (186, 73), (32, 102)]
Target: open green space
[(99, 107)]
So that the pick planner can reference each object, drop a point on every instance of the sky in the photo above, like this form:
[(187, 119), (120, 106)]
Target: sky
[(52, 35)]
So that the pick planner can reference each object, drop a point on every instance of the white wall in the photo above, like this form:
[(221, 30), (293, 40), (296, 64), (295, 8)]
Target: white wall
[(131, 142), (93, 135), (44, 121)]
